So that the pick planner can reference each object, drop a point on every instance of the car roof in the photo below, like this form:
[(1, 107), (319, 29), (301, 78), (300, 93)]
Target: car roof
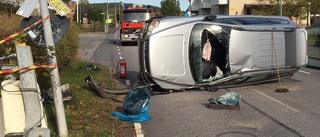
[(244, 19)]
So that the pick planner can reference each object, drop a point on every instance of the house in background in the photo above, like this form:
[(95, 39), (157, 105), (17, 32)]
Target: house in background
[(244, 7), (220, 7), (233, 7)]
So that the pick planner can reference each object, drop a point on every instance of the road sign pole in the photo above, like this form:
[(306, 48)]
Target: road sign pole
[(55, 78)]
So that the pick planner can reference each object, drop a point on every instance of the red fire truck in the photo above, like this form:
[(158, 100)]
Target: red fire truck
[(133, 19)]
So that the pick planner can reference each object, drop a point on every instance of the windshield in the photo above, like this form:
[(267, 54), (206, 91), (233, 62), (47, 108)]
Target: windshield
[(136, 15), (212, 38)]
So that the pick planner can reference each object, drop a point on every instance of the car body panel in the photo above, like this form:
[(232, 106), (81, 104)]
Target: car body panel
[(297, 54), (255, 53), (173, 64)]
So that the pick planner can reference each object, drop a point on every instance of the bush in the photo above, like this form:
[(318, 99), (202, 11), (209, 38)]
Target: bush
[(66, 49), (317, 43), (10, 24)]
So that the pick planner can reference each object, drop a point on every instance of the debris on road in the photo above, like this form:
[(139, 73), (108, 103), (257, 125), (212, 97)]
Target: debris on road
[(90, 67), (47, 96), (102, 91), (135, 104), (229, 101)]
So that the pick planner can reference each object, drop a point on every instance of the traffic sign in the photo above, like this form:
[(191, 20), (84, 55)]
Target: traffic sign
[(59, 26), (60, 7), (28, 6)]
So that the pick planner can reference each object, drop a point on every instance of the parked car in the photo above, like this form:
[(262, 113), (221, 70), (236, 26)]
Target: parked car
[(177, 53)]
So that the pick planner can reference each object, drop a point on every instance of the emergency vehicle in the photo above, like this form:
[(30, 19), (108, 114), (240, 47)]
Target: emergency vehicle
[(133, 18)]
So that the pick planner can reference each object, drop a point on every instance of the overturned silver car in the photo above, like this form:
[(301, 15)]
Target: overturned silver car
[(179, 53)]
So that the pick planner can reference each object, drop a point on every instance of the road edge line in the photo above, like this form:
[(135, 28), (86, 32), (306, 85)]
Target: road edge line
[(138, 129)]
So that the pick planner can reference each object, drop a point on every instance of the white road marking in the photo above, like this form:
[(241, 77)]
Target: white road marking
[(305, 72), (273, 99), (118, 48), (128, 82), (138, 129), (137, 126)]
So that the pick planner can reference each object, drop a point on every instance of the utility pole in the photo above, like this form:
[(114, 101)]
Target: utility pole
[(308, 14), (107, 27), (115, 13), (280, 7), (78, 11), (119, 11), (55, 78), (80, 14)]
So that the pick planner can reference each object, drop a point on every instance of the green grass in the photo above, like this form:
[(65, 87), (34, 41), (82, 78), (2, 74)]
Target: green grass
[(88, 114)]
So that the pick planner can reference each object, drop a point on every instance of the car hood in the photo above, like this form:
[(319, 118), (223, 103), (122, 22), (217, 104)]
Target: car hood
[(169, 60)]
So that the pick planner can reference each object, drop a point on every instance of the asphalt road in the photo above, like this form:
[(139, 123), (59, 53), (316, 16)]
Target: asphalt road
[(263, 112)]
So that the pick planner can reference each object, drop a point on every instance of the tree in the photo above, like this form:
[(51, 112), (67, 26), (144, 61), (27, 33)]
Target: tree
[(85, 2), (272, 7), (94, 14), (170, 8), (291, 8), (314, 7)]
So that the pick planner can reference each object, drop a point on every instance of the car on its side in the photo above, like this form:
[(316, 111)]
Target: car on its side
[(177, 53)]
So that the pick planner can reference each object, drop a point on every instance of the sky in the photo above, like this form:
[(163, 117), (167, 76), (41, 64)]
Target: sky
[(184, 4)]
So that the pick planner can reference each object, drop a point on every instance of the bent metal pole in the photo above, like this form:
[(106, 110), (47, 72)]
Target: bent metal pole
[(55, 79)]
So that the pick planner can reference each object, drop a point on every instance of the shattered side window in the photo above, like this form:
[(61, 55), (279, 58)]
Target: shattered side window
[(219, 40)]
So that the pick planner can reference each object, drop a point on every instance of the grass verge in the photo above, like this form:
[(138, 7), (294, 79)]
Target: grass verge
[(88, 114)]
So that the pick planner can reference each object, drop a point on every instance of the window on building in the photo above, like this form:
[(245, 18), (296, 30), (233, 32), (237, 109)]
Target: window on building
[(223, 10)]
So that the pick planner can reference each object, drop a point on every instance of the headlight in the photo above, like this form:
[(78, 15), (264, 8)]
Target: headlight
[(126, 35), (153, 25)]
